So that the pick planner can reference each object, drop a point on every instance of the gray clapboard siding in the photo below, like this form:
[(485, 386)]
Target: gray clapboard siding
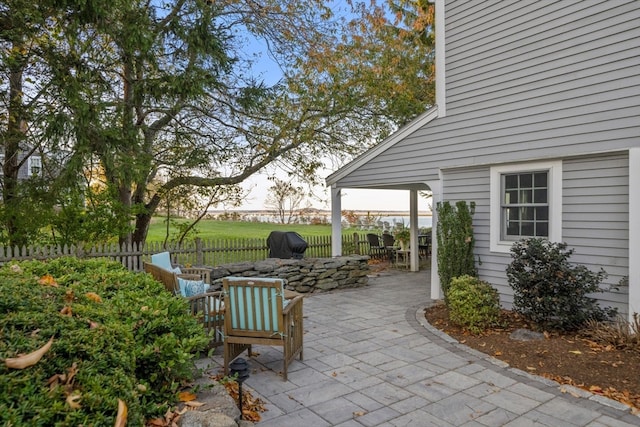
[(597, 231), (526, 80)]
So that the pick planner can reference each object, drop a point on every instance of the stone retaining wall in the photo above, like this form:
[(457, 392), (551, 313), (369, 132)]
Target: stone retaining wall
[(303, 275)]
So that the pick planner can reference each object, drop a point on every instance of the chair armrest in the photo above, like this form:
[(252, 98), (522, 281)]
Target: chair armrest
[(203, 274), (189, 276), (203, 302), (293, 303)]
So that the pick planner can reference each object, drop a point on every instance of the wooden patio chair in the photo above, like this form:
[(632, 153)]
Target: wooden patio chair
[(376, 249), (163, 260), (256, 312), (208, 306)]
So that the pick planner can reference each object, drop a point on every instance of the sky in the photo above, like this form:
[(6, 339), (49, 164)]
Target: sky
[(352, 199)]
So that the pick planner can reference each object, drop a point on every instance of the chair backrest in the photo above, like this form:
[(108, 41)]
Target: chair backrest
[(373, 239), (168, 278), (162, 260), (388, 239), (253, 307)]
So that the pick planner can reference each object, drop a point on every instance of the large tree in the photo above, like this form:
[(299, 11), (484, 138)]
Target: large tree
[(162, 96)]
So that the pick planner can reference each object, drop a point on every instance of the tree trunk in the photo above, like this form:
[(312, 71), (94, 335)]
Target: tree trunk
[(139, 235)]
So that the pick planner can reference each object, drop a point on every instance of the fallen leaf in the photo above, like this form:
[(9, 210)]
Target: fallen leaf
[(72, 400), (69, 296), (595, 389), (194, 404), (15, 268), (30, 359), (359, 413), (575, 351), (48, 280), (66, 311), (157, 422), (93, 296), (497, 353), (121, 418), (186, 396), (531, 368)]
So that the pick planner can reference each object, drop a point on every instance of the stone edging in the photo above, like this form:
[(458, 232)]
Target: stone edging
[(415, 317)]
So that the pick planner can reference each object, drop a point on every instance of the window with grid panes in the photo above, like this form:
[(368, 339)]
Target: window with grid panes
[(525, 205)]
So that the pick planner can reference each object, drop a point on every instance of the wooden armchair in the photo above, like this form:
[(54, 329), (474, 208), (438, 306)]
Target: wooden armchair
[(256, 312), (208, 307), (163, 260)]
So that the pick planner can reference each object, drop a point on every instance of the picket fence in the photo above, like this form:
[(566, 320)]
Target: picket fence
[(210, 252)]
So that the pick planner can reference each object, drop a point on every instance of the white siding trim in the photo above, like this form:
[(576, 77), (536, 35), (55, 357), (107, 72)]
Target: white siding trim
[(413, 226), (634, 232), (436, 197), (555, 201), (441, 88), (336, 221)]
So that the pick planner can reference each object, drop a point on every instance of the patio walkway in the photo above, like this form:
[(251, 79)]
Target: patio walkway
[(370, 359)]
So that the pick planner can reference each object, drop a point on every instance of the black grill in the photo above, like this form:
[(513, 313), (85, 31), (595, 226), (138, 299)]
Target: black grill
[(286, 245)]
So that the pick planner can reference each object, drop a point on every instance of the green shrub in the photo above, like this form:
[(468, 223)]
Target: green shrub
[(135, 342), (455, 242), (549, 290), (472, 303)]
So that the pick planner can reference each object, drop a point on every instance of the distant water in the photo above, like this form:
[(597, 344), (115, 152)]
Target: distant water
[(423, 221)]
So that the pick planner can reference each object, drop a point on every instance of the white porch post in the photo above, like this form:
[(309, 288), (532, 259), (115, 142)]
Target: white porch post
[(436, 191), (413, 226), (336, 221), (634, 232)]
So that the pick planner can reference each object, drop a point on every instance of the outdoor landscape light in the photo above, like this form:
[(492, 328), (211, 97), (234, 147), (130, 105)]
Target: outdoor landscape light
[(239, 369)]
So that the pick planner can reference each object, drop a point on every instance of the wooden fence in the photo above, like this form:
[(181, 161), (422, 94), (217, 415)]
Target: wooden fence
[(210, 252)]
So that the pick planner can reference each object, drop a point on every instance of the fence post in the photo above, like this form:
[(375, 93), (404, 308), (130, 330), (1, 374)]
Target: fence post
[(356, 243), (199, 253)]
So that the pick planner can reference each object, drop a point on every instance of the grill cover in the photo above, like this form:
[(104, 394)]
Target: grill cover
[(286, 244)]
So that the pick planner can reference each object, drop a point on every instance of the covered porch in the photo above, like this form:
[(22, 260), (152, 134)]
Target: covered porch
[(414, 197)]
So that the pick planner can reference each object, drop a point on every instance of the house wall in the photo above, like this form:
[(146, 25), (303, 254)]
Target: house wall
[(525, 80), (595, 220)]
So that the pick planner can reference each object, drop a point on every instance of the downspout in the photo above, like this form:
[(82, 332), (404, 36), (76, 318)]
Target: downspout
[(634, 232)]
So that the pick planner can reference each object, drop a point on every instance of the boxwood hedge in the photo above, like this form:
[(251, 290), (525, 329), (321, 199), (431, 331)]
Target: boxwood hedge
[(116, 335)]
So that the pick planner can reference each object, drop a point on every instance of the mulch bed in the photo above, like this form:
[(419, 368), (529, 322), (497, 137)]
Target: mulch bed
[(567, 358)]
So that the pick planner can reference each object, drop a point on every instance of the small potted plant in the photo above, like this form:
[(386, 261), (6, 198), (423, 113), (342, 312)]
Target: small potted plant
[(402, 235)]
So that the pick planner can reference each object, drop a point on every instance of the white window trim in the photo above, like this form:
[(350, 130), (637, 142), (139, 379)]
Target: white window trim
[(34, 161), (555, 201)]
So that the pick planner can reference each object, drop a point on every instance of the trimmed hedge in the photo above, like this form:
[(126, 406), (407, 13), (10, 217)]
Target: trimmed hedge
[(472, 303), (117, 335)]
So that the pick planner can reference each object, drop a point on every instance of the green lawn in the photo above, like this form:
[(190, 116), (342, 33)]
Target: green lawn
[(213, 229)]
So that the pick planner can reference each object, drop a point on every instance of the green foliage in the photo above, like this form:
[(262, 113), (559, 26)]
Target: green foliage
[(472, 303), (136, 343), (90, 217), (549, 290), (168, 102), (402, 234), (455, 242)]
